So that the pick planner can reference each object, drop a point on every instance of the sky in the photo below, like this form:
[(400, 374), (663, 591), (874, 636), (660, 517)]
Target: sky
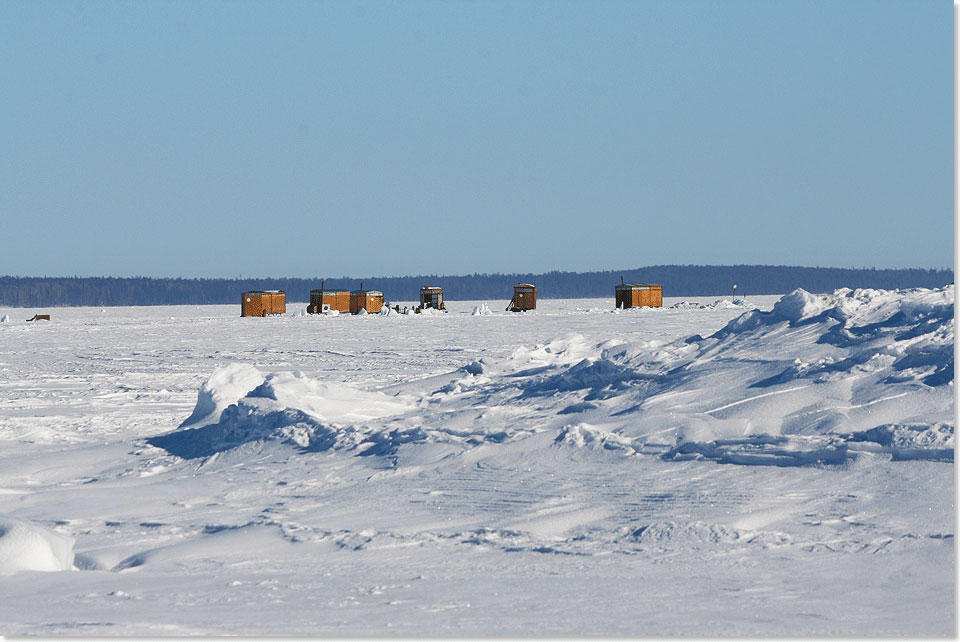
[(333, 138)]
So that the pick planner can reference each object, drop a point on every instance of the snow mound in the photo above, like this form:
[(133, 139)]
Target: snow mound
[(912, 441), (224, 387), (723, 304), (25, 546), (719, 304), (909, 436), (288, 408), (482, 310), (5, 318), (800, 305), (696, 533), (430, 312), (326, 401), (816, 381), (586, 436), (567, 350), (766, 450)]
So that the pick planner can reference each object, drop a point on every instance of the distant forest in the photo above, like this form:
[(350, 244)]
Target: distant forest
[(677, 280)]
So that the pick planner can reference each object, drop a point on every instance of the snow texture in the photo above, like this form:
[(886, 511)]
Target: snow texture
[(782, 466), (29, 547)]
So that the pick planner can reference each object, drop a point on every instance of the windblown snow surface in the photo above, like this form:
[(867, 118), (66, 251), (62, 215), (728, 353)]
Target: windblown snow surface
[(777, 467)]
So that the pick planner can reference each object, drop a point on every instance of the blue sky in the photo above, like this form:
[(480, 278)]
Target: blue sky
[(208, 138)]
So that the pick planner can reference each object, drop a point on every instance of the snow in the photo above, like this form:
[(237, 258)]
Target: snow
[(25, 546), (226, 386), (776, 466)]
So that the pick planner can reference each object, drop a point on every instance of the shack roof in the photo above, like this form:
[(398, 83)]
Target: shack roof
[(368, 292), (525, 285), (431, 287), (264, 292), (329, 290), (641, 286)]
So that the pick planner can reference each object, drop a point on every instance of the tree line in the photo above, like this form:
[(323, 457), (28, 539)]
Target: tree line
[(677, 280)]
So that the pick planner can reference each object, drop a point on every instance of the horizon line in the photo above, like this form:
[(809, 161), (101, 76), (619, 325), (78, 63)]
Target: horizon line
[(407, 276)]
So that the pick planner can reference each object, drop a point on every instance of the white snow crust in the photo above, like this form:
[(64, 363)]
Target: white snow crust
[(775, 466), (225, 387), (29, 547)]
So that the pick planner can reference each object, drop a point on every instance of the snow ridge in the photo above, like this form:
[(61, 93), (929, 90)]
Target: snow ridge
[(817, 380)]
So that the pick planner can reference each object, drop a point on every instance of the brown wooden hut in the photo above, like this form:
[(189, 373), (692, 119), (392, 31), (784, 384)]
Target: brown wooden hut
[(323, 300), (524, 298), (260, 304), (369, 300), (637, 295), (431, 297)]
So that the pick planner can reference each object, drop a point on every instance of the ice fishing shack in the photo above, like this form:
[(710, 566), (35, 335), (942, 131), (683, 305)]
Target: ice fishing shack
[(262, 303), (325, 300), (639, 295), (431, 297), (369, 300), (524, 298)]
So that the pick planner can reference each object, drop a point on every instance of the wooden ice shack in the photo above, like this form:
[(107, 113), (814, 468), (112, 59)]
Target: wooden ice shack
[(262, 303), (524, 298), (431, 297), (369, 300), (637, 295), (324, 300)]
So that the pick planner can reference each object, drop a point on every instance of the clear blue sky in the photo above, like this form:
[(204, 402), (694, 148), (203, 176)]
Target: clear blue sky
[(214, 138)]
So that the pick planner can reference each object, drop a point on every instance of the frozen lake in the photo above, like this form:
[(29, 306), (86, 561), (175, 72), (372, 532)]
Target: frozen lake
[(573, 470)]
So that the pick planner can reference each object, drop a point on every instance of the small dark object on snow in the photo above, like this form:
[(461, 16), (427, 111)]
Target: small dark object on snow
[(40, 317)]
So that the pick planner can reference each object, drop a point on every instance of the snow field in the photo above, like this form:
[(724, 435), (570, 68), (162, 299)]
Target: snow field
[(704, 469)]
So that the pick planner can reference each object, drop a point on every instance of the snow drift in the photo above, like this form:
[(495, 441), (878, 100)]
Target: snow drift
[(238, 405), (816, 380), (25, 546), (224, 387)]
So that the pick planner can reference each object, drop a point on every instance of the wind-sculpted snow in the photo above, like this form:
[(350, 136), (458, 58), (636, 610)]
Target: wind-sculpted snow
[(700, 469), (286, 407), (721, 304), (814, 365), (25, 546), (788, 387), (225, 386)]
